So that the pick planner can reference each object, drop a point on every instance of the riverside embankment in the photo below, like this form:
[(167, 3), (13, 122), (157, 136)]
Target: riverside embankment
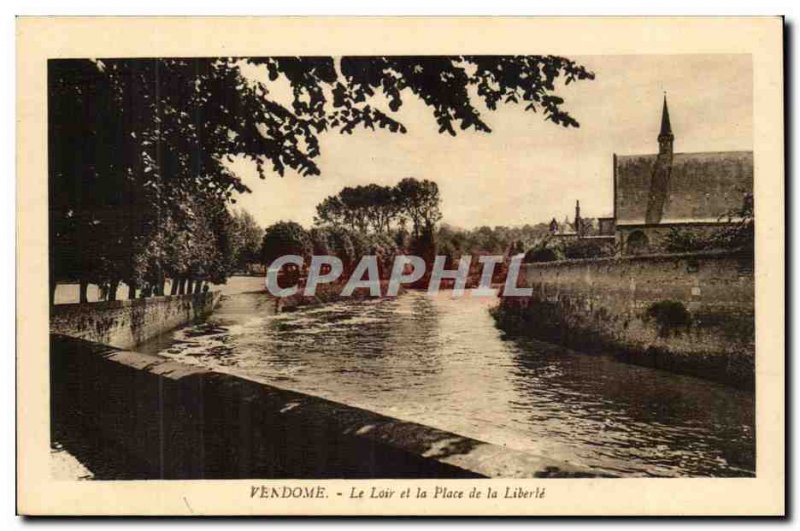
[(131, 415), (126, 323), (687, 313), (169, 420)]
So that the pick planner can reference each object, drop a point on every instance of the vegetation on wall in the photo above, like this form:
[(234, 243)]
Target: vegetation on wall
[(549, 249), (737, 234), (670, 316)]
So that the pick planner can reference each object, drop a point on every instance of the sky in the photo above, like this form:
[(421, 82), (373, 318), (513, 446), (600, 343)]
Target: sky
[(528, 170)]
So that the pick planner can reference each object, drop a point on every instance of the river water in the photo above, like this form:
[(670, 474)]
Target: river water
[(443, 362)]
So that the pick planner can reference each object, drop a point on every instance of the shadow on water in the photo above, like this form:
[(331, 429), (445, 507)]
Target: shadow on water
[(629, 414)]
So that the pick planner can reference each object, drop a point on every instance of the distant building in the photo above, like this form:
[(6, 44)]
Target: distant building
[(582, 228), (654, 193), (566, 229), (606, 226)]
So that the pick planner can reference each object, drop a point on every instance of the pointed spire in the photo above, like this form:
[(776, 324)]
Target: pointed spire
[(666, 128)]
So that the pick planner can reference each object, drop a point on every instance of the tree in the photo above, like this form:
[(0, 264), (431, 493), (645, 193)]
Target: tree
[(331, 211), (199, 245), (490, 240), (246, 237), (356, 205), (320, 241), (130, 158), (282, 238), (419, 200), (340, 242), (384, 248), (383, 207), (544, 251), (425, 245), (362, 208)]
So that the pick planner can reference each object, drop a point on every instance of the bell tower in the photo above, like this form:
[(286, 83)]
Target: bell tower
[(662, 169), (665, 136)]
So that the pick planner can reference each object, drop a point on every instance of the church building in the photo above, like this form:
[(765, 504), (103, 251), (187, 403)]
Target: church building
[(657, 192)]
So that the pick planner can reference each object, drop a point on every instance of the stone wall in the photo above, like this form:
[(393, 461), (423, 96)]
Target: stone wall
[(126, 323), (688, 313), (656, 235), (128, 415)]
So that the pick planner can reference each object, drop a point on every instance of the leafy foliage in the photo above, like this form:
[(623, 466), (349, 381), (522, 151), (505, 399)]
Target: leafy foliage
[(587, 248), (285, 237), (738, 233), (549, 249), (246, 237), (346, 244), (376, 208), (419, 202), (542, 254), (442, 82), (499, 240)]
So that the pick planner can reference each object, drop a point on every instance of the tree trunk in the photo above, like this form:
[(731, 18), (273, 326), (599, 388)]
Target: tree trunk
[(182, 286), (83, 292), (131, 290), (112, 290), (198, 286), (160, 287)]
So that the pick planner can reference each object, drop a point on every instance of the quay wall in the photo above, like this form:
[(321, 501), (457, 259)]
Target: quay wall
[(126, 323), (175, 421), (687, 313)]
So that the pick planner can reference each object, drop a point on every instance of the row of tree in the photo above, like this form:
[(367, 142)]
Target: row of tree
[(288, 237), (498, 240), (137, 193), (383, 209)]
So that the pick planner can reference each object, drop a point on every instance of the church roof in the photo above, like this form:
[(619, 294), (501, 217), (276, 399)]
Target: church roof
[(703, 187), (666, 127)]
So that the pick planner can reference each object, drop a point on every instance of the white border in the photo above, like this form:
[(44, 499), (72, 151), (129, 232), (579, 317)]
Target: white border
[(143, 7)]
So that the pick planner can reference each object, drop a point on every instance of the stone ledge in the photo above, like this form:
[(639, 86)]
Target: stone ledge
[(125, 303), (180, 421)]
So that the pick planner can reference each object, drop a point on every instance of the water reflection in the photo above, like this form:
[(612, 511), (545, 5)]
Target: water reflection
[(443, 362)]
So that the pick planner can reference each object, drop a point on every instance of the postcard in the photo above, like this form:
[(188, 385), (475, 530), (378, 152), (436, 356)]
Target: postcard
[(400, 266)]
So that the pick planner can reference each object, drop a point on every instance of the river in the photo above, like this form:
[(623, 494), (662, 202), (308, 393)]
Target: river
[(442, 361)]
